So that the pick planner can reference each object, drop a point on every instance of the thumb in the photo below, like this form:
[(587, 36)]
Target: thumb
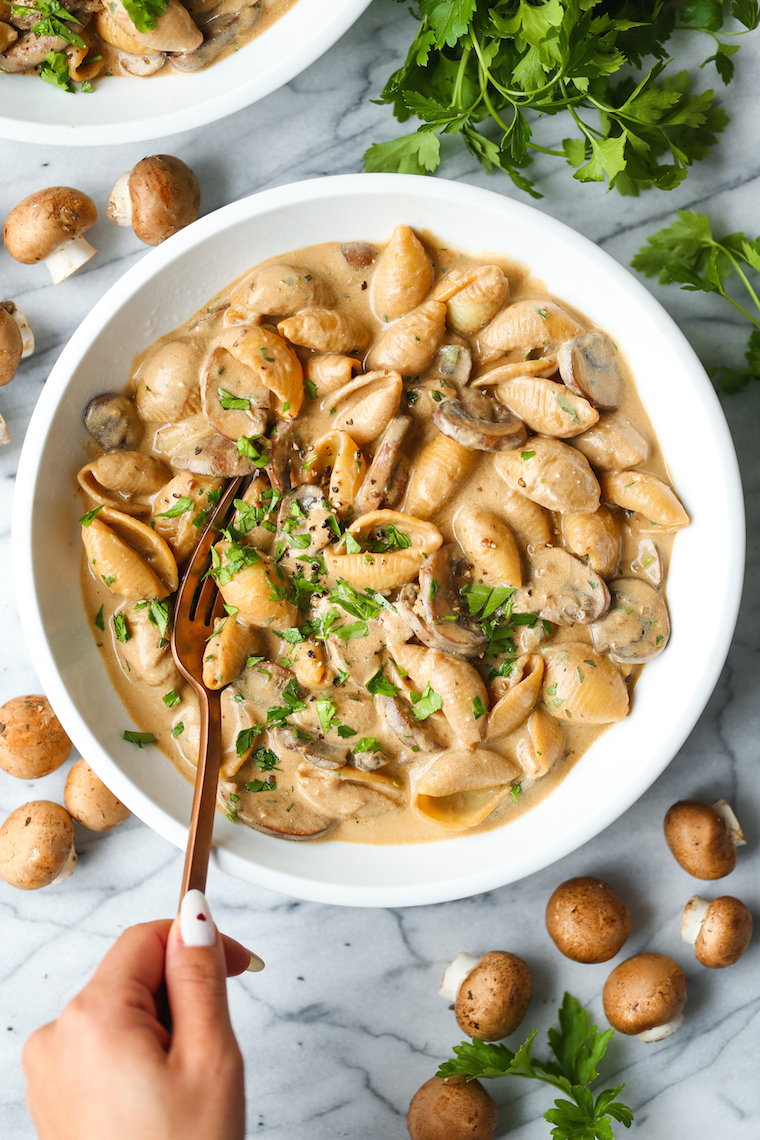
[(196, 981)]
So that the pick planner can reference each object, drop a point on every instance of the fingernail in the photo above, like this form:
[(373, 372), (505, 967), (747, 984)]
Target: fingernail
[(255, 964), (196, 925)]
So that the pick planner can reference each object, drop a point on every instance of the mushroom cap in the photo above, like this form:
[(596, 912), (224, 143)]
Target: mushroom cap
[(165, 197), (644, 992), (587, 920), (493, 998), (46, 220), (452, 1109), (90, 802), (11, 346), (699, 839), (113, 422), (36, 842), (32, 742), (725, 934)]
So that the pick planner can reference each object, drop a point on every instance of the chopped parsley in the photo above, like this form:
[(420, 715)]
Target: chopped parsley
[(171, 698), (120, 627), (145, 14), (265, 759), (245, 738), (478, 708), (268, 785), (55, 71), (183, 504), (367, 744), (100, 621), (379, 685), (327, 714), (232, 403), (178, 729), (87, 519), (427, 702), (258, 456), (526, 455), (139, 738)]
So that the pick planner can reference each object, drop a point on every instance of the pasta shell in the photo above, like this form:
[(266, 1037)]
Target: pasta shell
[(388, 570), (403, 276), (613, 443), (519, 363), (168, 381), (458, 684), (79, 70), (547, 407), (473, 296), (410, 344), (227, 651), (254, 590), (527, 325), (582, 686), (529, 521), (460, 788), (225, 377), (130, 558), (544, 745), (329, 372), (337, 461), (116, 478), (236, 716), (273, 361), (183, 530), (278, 291), (489, 544), (111, 33), (441, 468), (309, 663), (594, 537), (325, 330), (552, 474), (518, 698), (366, 406), (649, 496), (350, 792), (147, 653)]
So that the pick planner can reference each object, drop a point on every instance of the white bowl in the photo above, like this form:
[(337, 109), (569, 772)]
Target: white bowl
[(169, 284), (124, 110)]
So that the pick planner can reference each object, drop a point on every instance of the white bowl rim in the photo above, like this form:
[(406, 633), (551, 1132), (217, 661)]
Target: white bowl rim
[(724, 610), (267, 72)]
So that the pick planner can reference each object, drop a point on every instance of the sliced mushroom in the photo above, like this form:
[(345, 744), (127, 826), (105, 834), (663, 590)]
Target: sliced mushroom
[(358, 254), (636, 627), (232, 396), (547, 407), (218, 32), (314, 749), (562, 589), (29, 51), (375, 490), (283, 456), (141, 65), (273, 813), (349, 793), (451, 365), (459, 422), (113, 422), (590, 365), (445, 625), (552, 474), (613, 443), (213, 454), (400, 719)]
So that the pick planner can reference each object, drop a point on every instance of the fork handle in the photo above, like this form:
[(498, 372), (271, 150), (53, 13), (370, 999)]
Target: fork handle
[(204, 799)]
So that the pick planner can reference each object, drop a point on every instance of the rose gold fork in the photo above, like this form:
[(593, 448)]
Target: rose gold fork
[(198, 605)]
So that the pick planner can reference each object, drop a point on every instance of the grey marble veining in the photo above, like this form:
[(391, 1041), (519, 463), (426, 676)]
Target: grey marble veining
[(345, 1023)]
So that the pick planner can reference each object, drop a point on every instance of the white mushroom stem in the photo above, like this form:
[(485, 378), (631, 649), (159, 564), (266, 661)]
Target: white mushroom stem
[(732, 823), (120, 202), (660, 1032), (27, 336), (693, 917), (68, 258), (462, 965), (67, 868)]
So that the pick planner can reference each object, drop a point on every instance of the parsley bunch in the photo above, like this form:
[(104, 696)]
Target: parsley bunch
[(687, 253), (578, 1048), (483, 70)]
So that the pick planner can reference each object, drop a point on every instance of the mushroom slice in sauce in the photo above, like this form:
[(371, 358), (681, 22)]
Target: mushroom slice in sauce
[(581, 686), (409, 732), (232, 396), (212, 454), (272, 812), (590, 365), (648, 562), (379, 481), (459, 422), (460, 788), (636, 627), (451, 365), (141, 65), (562, 589), (348, 793), (552, 474), (218, 31), (547, 407), (312, 748), (113, 422), (445, 626)]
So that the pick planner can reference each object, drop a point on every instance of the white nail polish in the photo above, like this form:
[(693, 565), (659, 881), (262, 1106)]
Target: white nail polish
[(196, 925), (255, 964)]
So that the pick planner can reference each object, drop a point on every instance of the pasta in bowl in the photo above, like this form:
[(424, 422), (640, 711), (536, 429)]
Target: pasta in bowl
[(423, 639)]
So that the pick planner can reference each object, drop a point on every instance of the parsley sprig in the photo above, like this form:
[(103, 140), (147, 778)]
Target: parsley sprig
[(484, 70), (578, 1048), (687, 253)]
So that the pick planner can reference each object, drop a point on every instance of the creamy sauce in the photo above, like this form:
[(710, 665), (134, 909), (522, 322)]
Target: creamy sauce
[(313, 799)]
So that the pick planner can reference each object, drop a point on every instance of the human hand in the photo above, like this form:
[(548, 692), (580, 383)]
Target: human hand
[(109, 1067)]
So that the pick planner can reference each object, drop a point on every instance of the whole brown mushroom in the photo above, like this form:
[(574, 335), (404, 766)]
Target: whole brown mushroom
[(37, 846), (50, 226), (16, 340), (156, 198), (587, 920), (645, 996), (720, 931), (90, 802), (32, 742), (703, 837), (452, 1109), (490, 994)]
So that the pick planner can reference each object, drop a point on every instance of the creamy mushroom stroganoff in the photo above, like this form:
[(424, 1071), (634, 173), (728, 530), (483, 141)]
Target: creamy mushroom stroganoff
[(67, 41), (446, 571)]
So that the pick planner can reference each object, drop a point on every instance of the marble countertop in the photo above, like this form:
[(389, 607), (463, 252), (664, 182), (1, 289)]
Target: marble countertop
[(345, 1023)]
